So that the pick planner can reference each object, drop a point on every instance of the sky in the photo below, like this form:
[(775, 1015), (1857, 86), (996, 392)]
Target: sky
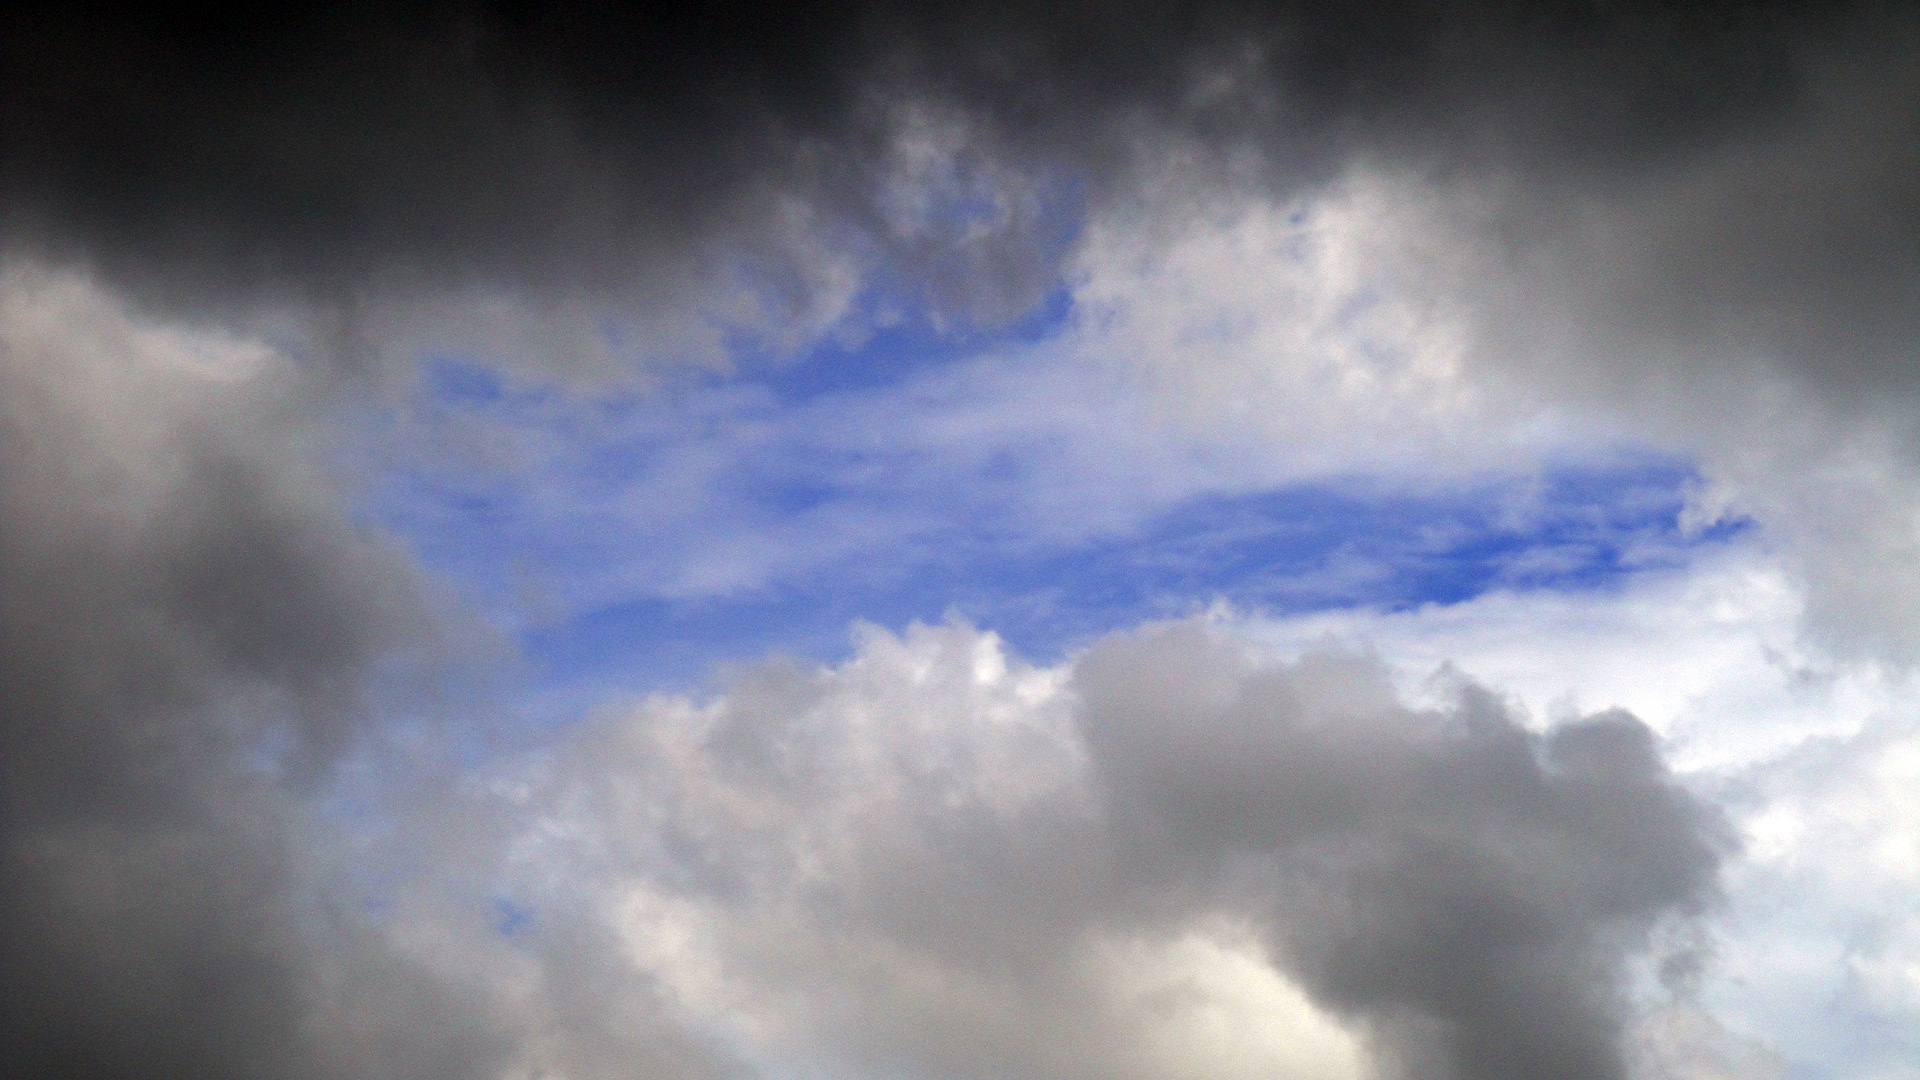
[(884, 542)]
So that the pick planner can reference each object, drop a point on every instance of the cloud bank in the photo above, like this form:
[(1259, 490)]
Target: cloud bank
[(926, 860), (340, 158)]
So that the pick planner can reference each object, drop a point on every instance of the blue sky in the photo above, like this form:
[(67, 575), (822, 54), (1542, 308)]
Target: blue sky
[(633, 541)]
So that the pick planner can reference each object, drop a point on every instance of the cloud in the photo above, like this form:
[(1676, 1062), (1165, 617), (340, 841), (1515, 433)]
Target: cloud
[(1808, 965), (1408, 240), (361, 164), (935, 859), (1745, 301), (184, 585), (1824, 925), (190, 630), (1684, 1042)]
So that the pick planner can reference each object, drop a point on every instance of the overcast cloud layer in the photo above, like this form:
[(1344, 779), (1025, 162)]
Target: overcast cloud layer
[(270, 803), (341, 159)]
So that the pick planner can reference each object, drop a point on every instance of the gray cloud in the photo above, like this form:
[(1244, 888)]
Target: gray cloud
[(338, 156), (1462, 882), (907, 862), (182, 585), (229, 846), (189, 624)]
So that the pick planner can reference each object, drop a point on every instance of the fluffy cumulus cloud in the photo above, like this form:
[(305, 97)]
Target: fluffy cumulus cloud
[(1450, 472), (1173, 856)]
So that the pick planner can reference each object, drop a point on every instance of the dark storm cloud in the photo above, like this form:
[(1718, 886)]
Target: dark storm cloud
[(330, 153)]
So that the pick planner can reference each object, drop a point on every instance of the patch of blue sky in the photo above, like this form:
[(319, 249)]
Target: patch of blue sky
[(639, 542), (894, 350), (1298, 550), (512, 919), (924, 302)]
